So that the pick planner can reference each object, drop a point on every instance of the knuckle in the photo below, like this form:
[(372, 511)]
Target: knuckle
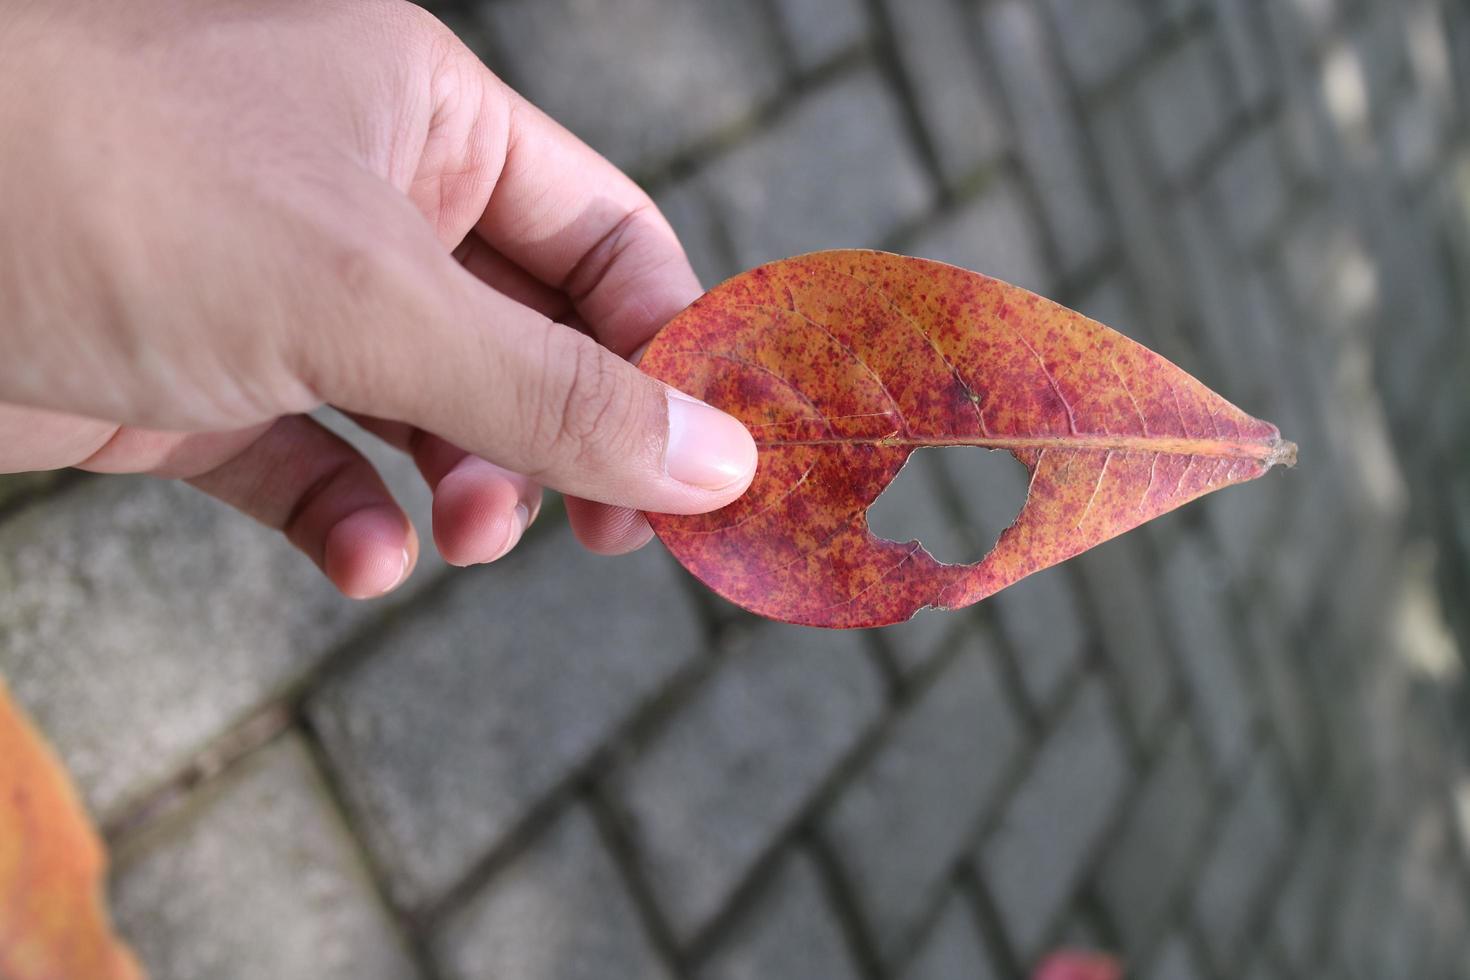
[(590, 409)]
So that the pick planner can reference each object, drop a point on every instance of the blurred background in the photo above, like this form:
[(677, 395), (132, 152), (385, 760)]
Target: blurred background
[(1229, 744)]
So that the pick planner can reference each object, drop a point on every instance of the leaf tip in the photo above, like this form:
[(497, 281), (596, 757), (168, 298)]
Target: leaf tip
[(1283, 452)]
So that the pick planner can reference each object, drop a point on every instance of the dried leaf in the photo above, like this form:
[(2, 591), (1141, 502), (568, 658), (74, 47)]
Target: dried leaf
[(53, 925), (842, 363)]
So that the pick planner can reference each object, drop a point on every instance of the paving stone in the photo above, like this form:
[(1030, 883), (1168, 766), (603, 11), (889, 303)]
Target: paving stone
[(996, 234), (1040, 615), (904, 819), (1415, 138), (1247, 851), (1250, 185), (836, 171), (1263, 969), (1098, 37), (1184, 106), (788, 931), (1288, 696), (479, 702), (1055, 819), (1308, 22), (991, 487), (817, 31), (1305, 892), (1243, 30), (963, 119), (1379, 43), (954, 948), (1047, 131), (1143, 224), (1209, 657), (687, 209), (1246, 520), (1157, 842), (1125, 601), (1110, 301), (14, 486), (138, 619), (915, 644), (912, 508), (716, 63), (1176, 962), (1042, 620), (256, 876), (720, 781), (557, 911)]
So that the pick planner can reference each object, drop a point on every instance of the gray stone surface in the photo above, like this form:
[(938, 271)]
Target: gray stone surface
[(1286, 694), (1246, 857), (1199, 626), (818, 30), (688, 210), (1124, 599), (790, 931), (836, 171), (996, 234), (1176, 962), (1042, 622), (557, 911), (468, 710), (1098, 37), (1145, 863), (719, 782), (906, 816), (1047, 132), (255, 876), (1251, 188), (15, 487), (962, 118), (1306, 891), (1184, 107), (572, 59), (1054, 820), (913, 508), (138, 619), (954, 948), (1040, 617), (1271, 195), (1243, 31)]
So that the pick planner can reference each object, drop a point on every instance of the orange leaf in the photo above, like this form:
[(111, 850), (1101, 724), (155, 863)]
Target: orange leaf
[(52, 922), (842, 363)]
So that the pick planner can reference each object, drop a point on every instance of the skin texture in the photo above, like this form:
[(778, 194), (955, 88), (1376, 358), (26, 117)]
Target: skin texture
[(226, 214), (842, 363)]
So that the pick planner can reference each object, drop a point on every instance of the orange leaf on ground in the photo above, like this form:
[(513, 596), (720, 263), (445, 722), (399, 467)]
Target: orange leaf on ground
[(53, 925), (842, 363)]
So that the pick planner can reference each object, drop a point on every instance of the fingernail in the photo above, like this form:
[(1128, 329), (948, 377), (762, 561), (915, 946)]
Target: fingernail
[(403, 572), (520, 522), (707, 448)]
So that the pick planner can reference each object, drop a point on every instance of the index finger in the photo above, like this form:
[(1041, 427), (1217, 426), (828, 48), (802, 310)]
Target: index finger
[(570, 218)]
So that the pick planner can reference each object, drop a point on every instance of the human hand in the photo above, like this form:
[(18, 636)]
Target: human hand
[(225, 214)]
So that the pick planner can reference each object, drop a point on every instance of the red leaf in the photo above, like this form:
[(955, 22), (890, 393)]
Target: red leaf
[(1070, 965), (844, 362)]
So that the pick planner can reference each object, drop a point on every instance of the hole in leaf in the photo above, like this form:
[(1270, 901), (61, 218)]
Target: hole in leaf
[(989, 488)]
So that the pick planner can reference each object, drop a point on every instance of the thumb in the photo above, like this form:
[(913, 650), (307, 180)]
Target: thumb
[(507, 384)]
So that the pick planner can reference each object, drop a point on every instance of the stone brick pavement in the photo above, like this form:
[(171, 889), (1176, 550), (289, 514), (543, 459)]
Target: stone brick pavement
[(1228, 745)]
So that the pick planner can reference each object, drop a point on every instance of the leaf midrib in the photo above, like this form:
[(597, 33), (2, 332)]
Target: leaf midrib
[(1269, 451)]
